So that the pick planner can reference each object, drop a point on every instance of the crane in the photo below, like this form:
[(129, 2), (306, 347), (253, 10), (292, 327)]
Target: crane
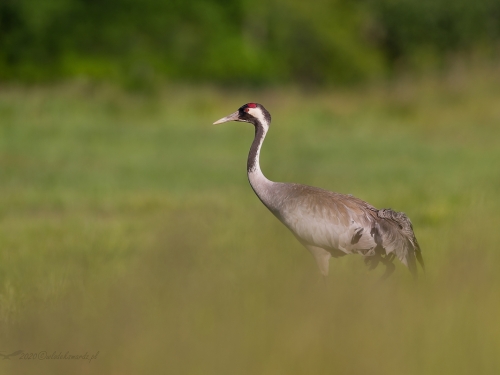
[(329, 224)]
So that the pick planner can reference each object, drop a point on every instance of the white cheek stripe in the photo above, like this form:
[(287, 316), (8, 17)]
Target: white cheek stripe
[(257, 113)]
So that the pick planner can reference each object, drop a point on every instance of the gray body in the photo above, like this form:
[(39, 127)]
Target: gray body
[(327, 223)]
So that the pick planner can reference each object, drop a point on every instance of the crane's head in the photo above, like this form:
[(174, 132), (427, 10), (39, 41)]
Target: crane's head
[(253, 113)]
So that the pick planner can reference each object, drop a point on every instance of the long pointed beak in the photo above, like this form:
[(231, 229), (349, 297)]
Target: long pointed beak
[(231, 117)]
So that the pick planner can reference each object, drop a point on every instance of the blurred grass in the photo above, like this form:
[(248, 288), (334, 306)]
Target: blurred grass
[(128, 227)]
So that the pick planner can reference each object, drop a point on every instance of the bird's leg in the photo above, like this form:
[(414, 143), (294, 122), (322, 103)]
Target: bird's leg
[(322, 258), (325, 282)]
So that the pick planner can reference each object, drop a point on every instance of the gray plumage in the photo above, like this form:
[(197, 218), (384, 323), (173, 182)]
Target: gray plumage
[(329, 224)]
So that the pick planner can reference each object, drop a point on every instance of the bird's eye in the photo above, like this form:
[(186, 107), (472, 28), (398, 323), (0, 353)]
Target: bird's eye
[(246, 109)]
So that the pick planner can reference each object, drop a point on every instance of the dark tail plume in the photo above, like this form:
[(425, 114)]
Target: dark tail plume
[(418, 255)]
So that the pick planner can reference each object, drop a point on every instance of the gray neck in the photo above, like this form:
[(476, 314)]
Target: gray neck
[(253, 156), (260, 184)]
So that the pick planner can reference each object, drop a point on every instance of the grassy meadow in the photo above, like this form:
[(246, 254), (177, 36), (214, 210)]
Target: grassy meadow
[(128, 228)]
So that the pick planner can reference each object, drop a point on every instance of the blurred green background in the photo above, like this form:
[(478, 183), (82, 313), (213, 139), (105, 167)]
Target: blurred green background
[(127, 225), (240, 42)]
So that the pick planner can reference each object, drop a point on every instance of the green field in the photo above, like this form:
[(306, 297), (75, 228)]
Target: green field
[(128, 227)]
